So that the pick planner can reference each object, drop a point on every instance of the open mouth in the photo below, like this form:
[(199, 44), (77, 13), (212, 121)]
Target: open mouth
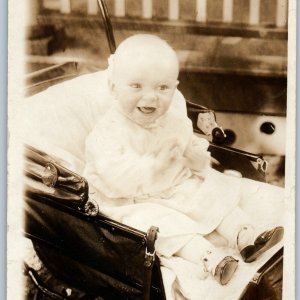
[(146, 110)]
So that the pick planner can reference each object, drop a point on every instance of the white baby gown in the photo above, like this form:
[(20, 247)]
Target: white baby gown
[(121, 162)]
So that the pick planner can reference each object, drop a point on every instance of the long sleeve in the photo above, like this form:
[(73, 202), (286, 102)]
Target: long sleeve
[(115, 171), (124, 165)]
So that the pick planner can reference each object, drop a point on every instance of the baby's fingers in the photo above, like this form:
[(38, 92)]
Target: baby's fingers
[(175, 153)]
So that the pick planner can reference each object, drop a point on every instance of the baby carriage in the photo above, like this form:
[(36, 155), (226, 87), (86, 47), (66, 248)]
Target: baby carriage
[(94, 257)]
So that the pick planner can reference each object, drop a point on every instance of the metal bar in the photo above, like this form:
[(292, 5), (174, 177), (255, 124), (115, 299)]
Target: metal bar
[(40, 285), (173, 9), (107, 25), (254, 12), (251, 156), (201, 11), (227, 11), (147, 9)]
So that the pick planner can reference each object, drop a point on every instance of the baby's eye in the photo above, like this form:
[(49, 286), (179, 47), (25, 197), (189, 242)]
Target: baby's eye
[(163, 87), (136, 85)]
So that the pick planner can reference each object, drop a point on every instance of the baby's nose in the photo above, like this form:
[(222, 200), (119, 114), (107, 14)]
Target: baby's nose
[(150, 97)]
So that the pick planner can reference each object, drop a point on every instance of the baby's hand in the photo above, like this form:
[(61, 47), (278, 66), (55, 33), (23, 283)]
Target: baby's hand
[(199, 162), (174, 153), (197, 159), (170, 152)]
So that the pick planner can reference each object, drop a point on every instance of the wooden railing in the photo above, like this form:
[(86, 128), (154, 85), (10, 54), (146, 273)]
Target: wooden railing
[(211, 36), (243, 12)]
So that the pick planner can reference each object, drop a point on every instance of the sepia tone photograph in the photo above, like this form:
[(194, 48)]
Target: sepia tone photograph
[(151, 149)]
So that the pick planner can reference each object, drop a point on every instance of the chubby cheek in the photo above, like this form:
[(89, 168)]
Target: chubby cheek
[(128, 103), (165, 102)]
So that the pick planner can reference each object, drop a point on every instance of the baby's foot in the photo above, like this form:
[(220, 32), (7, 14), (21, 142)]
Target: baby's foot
[(263, 242), (223, 270)]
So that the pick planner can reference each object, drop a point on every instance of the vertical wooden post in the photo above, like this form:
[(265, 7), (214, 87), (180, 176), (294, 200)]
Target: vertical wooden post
[(227, 11), (92, 7), (33, 8), (254, 12), (120, 8), (281, 15), (201, 9), (50, 4), (147, 9), (173, 9), (65, 6)]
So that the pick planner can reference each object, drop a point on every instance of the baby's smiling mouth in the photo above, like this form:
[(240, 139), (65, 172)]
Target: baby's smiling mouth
[(146, 110)]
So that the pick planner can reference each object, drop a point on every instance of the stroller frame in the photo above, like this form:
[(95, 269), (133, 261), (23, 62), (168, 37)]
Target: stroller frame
[(50, 218), (88, 251), (74, 240)]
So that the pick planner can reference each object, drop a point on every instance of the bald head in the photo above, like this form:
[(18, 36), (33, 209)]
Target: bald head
[(146, 49)]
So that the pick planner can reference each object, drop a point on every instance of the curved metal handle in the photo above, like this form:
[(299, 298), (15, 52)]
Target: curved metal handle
[(107, 25)]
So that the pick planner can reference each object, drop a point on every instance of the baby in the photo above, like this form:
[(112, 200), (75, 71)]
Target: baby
[(148, 168)]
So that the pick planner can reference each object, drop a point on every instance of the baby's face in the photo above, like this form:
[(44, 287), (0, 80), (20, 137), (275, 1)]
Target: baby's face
[(144, 88)]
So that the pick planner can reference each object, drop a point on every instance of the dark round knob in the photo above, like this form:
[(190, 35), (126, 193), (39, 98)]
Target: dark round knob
[(267, 127), (230, 137), (218, 135)]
